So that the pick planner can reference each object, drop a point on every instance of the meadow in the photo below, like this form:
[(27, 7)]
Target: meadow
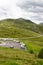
[(26, 31)]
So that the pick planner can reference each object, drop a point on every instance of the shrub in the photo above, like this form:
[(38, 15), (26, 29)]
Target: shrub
[(40, 55), (31, 51)]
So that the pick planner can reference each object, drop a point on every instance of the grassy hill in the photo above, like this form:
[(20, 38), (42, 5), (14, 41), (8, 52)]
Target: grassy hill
[(10, 56), (17, 28), (23, 30), (41, 27), (26, 31), (34, 44)]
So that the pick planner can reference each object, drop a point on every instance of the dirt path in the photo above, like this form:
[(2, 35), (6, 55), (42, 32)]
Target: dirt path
[(19, 38), (16, 45), (31, 37)]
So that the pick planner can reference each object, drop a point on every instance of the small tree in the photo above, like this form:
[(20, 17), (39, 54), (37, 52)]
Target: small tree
[(40, 55)]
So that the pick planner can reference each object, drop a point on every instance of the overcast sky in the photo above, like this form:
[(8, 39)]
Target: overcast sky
[(29, 9)]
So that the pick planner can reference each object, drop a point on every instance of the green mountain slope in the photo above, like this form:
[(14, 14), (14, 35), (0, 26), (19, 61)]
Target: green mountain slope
[(10, 56), (41, 27), (24, 30), (28, 33), (18, 28)]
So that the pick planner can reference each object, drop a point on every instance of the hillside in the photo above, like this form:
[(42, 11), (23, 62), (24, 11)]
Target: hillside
[(41, 27), (18, 28), (27, 32), (10, 56)]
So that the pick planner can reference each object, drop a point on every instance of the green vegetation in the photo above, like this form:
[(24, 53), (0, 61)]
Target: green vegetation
[(18, 57), (41, 28), (16, 28), (26, 31), (40, 54)]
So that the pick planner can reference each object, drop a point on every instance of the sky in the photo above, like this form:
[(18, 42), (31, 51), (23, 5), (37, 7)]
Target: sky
[(28, 9)]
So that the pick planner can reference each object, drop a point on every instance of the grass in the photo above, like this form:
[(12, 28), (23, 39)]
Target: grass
[(21, 29), (17, 57), (11, 56), (34, 44), (16, 29)]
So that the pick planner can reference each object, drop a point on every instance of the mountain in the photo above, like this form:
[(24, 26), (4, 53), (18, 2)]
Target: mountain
[(41, 27), (18, 28), (28, 33)]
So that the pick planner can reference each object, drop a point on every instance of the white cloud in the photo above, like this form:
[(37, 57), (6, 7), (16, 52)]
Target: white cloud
[(8, 8), (29, 9), (34, 9)]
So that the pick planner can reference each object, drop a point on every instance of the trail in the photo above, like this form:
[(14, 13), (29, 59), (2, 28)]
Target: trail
[(20, 38), (31, 37), (15, 44)]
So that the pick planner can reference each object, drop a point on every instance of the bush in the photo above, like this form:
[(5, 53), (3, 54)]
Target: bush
[(40, 55), (31, 51)]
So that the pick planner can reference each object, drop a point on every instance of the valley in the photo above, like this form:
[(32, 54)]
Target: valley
[(13, 33)]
